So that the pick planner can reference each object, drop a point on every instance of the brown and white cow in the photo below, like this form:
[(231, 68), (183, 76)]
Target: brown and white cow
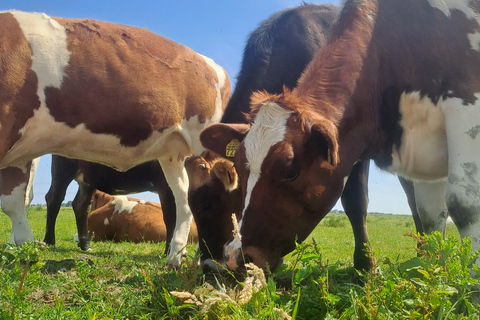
[(399, 82), (275, 55), (121, 218), (106, 93)]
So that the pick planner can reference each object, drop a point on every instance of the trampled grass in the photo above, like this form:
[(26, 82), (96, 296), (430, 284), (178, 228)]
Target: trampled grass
[(130, 281)]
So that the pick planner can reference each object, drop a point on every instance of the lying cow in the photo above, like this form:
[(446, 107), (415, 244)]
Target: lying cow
[(398, 83), (106, 93), (121, 218)]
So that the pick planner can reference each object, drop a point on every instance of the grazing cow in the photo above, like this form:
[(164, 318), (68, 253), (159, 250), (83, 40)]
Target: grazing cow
[(275, 55), (399, 83), (213, 196), (106, 93), (91, 176), (121, 218)]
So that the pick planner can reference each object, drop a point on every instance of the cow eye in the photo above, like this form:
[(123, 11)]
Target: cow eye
[(292, 172)]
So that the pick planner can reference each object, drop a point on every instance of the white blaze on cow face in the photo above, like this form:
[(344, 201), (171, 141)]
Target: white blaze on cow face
[(122, 204), (106, 222), (48, 41), (268, 129), (425, 158)]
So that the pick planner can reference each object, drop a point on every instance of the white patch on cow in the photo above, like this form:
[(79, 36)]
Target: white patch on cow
[(48, 41), (143, 202), (474, 39), (106, 222), (15, 206), (447, 5), (423, 151), (219, 86), (122, 204)]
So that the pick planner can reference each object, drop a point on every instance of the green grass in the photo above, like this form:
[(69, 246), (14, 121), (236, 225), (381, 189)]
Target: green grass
[(130, 281)]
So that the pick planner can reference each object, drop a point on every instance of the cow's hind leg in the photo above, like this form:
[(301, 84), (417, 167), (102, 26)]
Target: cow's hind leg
[(462, 124), (80, 204), (431, 207), (16, 193), (408, 187), (177, 179), (355, 202), (63, 172)]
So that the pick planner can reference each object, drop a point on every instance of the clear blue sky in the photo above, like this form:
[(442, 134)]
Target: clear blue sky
[(215, 28)]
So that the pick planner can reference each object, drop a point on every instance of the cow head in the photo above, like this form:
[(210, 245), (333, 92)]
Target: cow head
[(213, 197), (286, 163)]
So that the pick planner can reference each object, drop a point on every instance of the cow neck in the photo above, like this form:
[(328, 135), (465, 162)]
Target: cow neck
[(331, 83)]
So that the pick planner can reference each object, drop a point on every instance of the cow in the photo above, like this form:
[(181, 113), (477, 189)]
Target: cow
[(93, 176), (213, 196), (121, 218), (399, 83), (275, 55), (107, 93)]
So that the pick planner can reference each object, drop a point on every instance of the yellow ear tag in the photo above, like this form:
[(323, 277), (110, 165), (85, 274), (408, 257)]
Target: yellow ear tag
[(232, 148)]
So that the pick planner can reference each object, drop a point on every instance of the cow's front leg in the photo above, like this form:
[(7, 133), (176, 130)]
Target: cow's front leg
[(16, 193), (177, 179), (80, 205), (355, 203)]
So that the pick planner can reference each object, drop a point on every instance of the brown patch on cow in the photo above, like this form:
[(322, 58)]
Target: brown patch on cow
[(126, 77), (18, 83), (10, 178)]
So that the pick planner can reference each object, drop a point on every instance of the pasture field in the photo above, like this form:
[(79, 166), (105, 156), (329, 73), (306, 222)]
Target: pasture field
[(130, 281)]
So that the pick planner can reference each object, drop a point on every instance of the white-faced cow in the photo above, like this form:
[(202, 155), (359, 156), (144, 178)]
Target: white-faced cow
[(106, 93), (275, 55), (93, 176), (398, 82), (121, 218)]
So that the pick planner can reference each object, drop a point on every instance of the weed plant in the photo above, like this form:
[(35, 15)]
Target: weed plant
[(131, 281)]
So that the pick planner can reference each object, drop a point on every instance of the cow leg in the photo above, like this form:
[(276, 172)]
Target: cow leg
[(168, 203), (462, 124), (16, 193), (409, 189), (177, 179), (63, 172), (431, 207), (355, 203), (80, 207)]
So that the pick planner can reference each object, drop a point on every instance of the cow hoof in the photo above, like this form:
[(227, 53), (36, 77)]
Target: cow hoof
[(177, 259)]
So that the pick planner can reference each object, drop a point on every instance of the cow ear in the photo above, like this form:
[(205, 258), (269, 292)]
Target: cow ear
[(324, 137), (225, 172), (224, 138)]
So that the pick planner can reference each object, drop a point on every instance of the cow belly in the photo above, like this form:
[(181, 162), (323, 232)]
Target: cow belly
[(42, 135), (422, 154)]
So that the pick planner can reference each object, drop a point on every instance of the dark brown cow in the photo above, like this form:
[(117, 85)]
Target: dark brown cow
[(399, 83), (106, 93), (213, 196), (91, 176), (121, 218), (275, 55)]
